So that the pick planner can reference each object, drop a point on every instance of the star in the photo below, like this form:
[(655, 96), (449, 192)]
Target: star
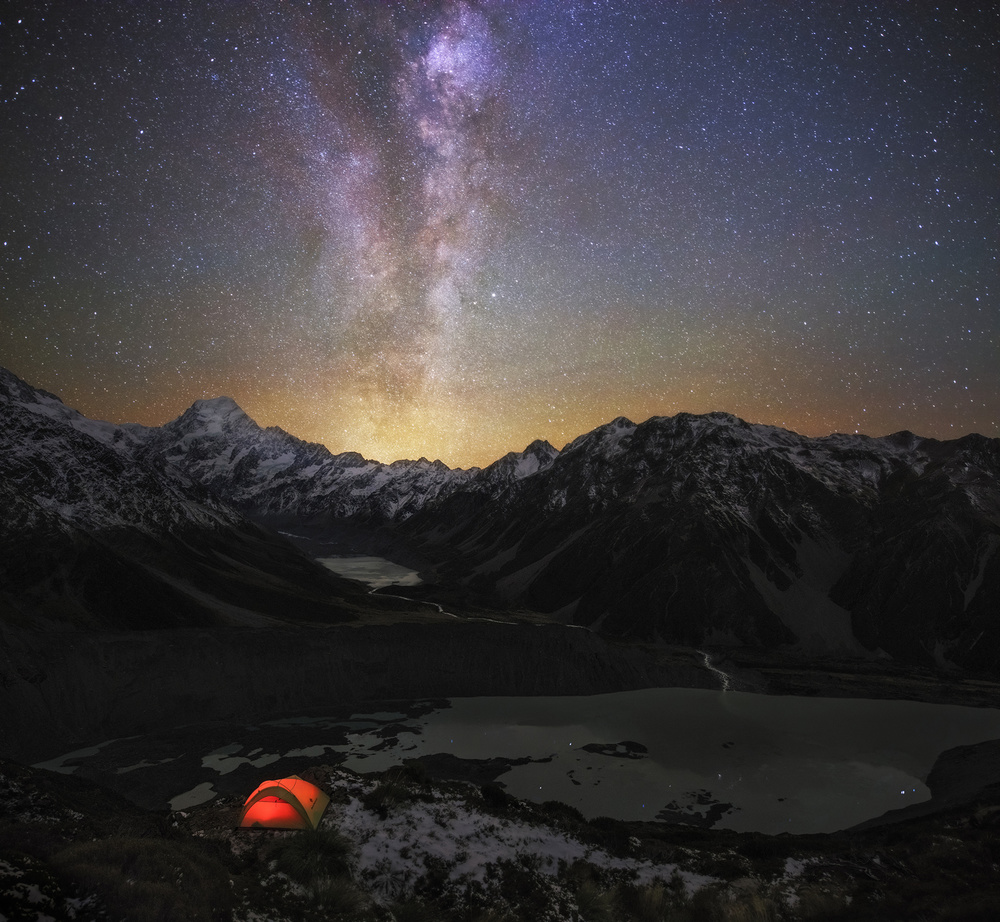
[(447, 229)]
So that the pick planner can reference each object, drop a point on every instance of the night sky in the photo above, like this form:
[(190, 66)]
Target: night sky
[(445, 229)]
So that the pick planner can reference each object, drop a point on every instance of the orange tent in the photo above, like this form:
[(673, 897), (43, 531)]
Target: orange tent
[(288, 803)]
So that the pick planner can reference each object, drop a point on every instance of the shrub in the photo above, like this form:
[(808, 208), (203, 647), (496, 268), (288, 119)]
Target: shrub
[(562, 813), (523, 889), (493, 915), (724, 865), (29, 891), (413, 770), (415, 910), (384, 796), (758, 847), (610, 834)]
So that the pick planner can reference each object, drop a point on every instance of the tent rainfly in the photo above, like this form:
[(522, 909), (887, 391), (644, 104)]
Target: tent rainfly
[(288, 803)]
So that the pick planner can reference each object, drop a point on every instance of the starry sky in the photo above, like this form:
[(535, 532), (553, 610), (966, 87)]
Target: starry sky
[(448, 228)]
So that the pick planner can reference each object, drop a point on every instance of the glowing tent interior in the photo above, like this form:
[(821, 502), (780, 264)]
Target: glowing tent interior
[(287, 803)]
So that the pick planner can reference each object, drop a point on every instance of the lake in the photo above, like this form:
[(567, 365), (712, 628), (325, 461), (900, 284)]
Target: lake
[(376, 571), (733, 760), (730, 760)]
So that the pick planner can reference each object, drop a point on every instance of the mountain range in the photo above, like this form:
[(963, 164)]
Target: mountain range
[(692, 530), (93, 534)]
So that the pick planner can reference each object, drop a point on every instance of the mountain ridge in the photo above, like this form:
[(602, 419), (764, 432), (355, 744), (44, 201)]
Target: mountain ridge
[(690, 529)]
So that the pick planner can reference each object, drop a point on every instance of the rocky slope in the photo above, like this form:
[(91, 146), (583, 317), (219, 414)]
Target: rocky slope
[(405, 845)]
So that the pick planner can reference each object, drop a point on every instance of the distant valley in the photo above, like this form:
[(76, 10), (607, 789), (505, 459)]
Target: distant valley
[(685, 530)]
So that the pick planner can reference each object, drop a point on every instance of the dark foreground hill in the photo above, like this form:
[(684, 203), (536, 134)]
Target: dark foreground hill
[(405, 845)]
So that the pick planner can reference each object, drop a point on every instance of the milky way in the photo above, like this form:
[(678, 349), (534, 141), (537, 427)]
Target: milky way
[(449, 228)]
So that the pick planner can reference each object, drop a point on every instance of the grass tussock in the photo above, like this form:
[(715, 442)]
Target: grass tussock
[(595, 903), (338, 897), (396, 787), (652, 903), (313, 855), (817, 903), (156, 880), (319, 862)]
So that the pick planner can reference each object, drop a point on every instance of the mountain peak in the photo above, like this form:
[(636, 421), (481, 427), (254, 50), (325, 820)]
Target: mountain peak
[(541, 446), (212, 417), (516, 465), (608, 435), (217, 406)]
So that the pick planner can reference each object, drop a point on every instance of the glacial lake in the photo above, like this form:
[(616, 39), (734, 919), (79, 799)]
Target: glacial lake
[(376, 571), (730, 759)]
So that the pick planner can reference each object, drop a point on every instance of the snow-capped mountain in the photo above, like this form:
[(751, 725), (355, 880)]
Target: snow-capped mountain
[(707, 529), (516, 465), (268, 472), (689, 529), (56, 462), (91, 534)]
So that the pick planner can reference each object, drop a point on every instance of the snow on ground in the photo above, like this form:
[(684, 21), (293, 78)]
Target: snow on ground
[(444, 829)]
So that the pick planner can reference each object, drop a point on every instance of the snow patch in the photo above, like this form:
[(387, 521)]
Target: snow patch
[(987, 554), (59, 764), (394, 852)]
